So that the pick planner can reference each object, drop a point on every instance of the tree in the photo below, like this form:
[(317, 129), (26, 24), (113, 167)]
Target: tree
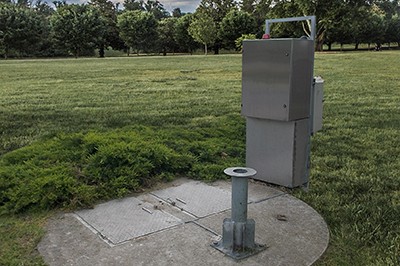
[(166, 30), (329, 15), (234, 25), (393, 30), (78, 27), (23, 3), (45, 46), (43, 8), (248, 6), (59, 3), (111, 35), (368, 26), (138, 29), (21, 29), (259, 10), (286, 9), (152, 6), (177, 13), (239, 41), (156, 8), (203, 29), (389, 7), (341, 30), (216, 10), (182, 37), (131, 5)]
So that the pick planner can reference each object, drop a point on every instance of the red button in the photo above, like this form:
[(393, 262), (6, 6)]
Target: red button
[(266, 36)]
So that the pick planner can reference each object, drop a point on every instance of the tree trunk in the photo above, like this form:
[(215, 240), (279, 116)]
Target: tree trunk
[(320, 46), (205, 49), (369, 46), (341, 47), (320, 41), (356, 47), (216, 49), (101, 51)]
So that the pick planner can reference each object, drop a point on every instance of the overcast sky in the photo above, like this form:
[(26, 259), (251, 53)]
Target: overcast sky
[(185, 5)]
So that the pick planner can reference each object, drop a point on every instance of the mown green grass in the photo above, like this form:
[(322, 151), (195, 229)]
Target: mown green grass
[(355, 160), (355, 176), (42, 97)]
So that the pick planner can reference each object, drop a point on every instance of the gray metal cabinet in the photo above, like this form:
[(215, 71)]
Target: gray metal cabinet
[(276, 78)]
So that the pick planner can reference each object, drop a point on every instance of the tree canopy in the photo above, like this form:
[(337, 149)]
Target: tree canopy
[(21, 29), (34, 28), (78, 27), (204, 30), (138, 29)]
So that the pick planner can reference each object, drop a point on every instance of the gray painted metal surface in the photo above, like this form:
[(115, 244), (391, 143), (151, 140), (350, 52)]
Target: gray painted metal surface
[(278, 150), (277, 100), (312, 19), (240, 188), (277, 78), (118, 221), (318, 91), (238, 232), (196, 198)]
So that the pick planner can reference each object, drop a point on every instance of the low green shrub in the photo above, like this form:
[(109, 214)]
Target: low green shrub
[(76, 170)]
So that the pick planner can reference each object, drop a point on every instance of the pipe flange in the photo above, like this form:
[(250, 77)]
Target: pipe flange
[(240, 172)]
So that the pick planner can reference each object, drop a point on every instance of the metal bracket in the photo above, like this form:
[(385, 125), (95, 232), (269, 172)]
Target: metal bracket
[(311, 18)]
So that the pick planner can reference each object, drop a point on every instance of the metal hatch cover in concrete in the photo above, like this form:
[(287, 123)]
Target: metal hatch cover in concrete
[(196, 198), (294, 233), (120, 220)]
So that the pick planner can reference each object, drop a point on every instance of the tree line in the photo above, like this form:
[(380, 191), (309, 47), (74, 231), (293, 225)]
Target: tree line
[(35, 28)]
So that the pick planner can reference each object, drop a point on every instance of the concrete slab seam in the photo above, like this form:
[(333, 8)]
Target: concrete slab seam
[(188, 212), (272, 197), (148, 234), (205, 228)]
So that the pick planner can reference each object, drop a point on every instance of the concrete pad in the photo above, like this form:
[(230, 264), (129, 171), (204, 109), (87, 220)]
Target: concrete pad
[(258, 191), (294, 233)]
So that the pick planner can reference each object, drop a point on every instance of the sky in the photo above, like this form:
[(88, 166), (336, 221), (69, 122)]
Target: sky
[(185, 5)]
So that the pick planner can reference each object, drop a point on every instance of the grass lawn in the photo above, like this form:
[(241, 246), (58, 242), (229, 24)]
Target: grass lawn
[(62, 119)]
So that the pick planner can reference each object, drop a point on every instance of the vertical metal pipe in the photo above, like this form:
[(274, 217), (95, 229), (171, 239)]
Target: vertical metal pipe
[(239, 199), (238, 232), (239, 177)]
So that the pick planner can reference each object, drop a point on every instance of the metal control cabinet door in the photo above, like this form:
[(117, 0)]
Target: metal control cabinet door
[(277, 78), (278, 150)]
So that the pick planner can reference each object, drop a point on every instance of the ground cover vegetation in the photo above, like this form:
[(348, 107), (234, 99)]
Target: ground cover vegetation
[(77, 132), (35, 28)]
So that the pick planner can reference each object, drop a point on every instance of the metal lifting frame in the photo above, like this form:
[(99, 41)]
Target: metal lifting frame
[(311, 18)]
